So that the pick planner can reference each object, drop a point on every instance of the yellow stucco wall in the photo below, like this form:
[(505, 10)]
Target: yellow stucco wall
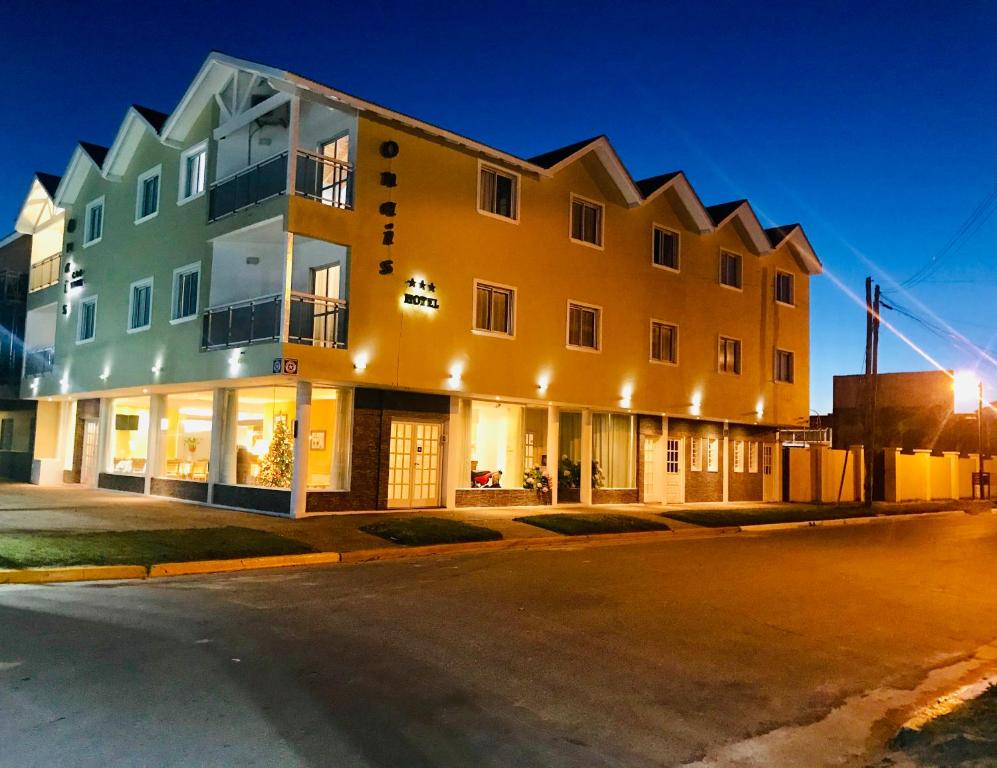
[(440, 236)]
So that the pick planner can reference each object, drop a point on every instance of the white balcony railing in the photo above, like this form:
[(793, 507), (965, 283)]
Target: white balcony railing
[(44, 273)]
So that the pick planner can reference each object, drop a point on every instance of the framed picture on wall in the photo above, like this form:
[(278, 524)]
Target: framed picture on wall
[(316, 440)]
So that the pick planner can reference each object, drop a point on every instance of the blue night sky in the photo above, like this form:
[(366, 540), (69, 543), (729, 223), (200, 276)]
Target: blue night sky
[(872, 123)]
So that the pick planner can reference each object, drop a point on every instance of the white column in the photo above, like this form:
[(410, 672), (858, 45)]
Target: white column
[(553, 449), (586, 490), (724, 464), (294, 125), (302, 428), (104, 429), (154, 452), (457, 467)]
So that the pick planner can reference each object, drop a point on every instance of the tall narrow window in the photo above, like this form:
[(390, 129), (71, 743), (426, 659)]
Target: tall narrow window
[(140, 305), (185, 287), (664, 342), (336, 171), (767, 459), (729, 359), (784, 366), (193, 171), (583, 326), (753, 456), (730, 269), (665, 248), (497, 193), (739, 456), (494, 308), (586, 221), (784, 292), (86, 322), (147, 194), (93, 222), (695, 454), (712, 454)]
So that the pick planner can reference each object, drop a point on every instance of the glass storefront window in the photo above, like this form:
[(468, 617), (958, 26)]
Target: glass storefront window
[(508, 446), (129, 449), (264, 446), (329, 439), (569, 468), (612, 451), (185, 432)]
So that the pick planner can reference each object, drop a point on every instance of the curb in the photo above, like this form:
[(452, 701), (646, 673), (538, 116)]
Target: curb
[(193, 567), (75, 573), (843, 521)]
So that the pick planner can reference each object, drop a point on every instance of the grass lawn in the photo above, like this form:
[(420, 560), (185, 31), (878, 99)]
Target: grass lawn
[(422, 531), (719, 517), (54, 548), (585, 524), (967, 736)]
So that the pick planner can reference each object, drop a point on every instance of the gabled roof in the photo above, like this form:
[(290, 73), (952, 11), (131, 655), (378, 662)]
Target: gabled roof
[(84, 157), (39, 200), (797, 240), (154, 117), (553, 157), (651, 185), (137, 122), (741, 212), (96, 151), (556, 159), (657, 185), (721, 212), (49, 182)]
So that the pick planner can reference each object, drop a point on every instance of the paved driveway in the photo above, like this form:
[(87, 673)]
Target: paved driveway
[(795, 649)]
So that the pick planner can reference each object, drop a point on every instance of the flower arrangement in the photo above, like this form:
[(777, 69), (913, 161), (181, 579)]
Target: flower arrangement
[(191, 443), (536, 479), (569, 473)]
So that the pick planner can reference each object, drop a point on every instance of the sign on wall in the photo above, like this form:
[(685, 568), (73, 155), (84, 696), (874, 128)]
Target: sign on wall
[(418, 294)]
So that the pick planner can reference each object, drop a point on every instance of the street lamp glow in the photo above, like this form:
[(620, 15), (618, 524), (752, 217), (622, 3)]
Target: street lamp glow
[(965, 387)]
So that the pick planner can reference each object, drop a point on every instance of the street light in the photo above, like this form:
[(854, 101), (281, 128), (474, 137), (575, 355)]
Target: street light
[(969, 387)]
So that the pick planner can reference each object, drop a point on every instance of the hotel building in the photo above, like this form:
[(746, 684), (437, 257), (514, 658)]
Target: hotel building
[(283, 298)]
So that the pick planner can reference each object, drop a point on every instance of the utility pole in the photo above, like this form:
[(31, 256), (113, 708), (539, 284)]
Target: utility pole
[(979, 425), (871, 381)]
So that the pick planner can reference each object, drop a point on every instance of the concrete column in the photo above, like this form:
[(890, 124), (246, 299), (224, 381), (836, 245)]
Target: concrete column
[(224, 424), (586, 489), (302, 428), (725, 464), (154, 453), (553, 449), (104, 429), (457, 467), (952, 466)]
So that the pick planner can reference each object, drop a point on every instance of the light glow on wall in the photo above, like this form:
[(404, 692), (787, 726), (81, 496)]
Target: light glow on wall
[(456, 371), (105, 374), (360, 362), (543, 382), (696, 405), (760, 408), (626, 395)]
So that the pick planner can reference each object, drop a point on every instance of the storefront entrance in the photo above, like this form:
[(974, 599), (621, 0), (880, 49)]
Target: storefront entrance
[(414, 465), (674, 471), (88, 465)]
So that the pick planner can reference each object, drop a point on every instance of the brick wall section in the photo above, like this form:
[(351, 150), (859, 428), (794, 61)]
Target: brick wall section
[(500, 497), (248, 497), (746, 486), (179, 489), (129, 483), (615, 496), (702, 485)]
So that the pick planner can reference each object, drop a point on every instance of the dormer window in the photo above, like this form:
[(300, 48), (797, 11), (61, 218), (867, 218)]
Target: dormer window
[(586, 221), (147, 195), (498, 193), (93, 222)]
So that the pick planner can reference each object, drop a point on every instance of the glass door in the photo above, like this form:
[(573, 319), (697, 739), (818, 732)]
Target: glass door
[(335, 171)]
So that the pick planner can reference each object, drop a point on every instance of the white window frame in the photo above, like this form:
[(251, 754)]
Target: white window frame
[(753, 457), (567, 326), (768, 458), (140, 188), (738, 452), (601, 245), (79, 319), (516, 192), (740, 355), (675, 342), (201, 146), (792, 288), (87, 240), (695, 454), (146, 281), (712, 454), (678, 248), (512, 313), (775, 366), (740, 270), (186, 269)]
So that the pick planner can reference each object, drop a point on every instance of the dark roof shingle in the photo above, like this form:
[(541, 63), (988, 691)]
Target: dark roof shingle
[(552, 158), (96, 151), (154, 117), (721, 211), (49, 182), (651, 185)]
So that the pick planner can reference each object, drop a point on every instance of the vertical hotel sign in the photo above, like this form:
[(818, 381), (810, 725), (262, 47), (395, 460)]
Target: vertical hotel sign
[(419, 293)]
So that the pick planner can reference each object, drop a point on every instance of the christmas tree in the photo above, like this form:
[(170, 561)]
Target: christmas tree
[(277, 465)]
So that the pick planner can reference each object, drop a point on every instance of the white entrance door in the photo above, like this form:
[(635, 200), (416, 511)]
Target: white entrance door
[(649, 469), (674, 471), (414, 465), (88, 468)]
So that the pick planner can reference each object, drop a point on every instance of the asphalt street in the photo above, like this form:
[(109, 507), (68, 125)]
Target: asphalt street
[(759, 649)]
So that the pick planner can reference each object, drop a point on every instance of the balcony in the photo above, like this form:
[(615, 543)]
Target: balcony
[(317, 321), (324, 179), (38, 361), (253, 321), (44, 273), (248, 187)]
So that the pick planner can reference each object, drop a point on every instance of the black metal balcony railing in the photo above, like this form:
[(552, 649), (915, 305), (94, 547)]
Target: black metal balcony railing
[(38, 361), (324, 179), (45, 273), (248, 187), (317, 321), (242, 323)]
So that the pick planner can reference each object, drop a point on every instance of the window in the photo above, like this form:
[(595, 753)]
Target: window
[(507, 445), (185, 436), (784, 292), (185, 287), (6, 434), (494, 309), (730, 269), (86, 323), (753, 457), (695, 454), (712, 454), (147, 195), (664, 342), (665, 248), (784, 366), (739, 456), (93, 222), (192, 172), (767, 459), (129, 443), (586, 221), (497, 193), (583, 326), (729, 360), (140, 305), (613, 447)]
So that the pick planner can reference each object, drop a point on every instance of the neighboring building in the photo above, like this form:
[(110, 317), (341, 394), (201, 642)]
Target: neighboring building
[(914, 411), (283, 298), (17, 417)]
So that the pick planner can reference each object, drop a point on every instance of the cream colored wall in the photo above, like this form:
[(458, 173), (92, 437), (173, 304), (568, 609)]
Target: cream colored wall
[(440, 236), (801, 480), (47, 418)]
